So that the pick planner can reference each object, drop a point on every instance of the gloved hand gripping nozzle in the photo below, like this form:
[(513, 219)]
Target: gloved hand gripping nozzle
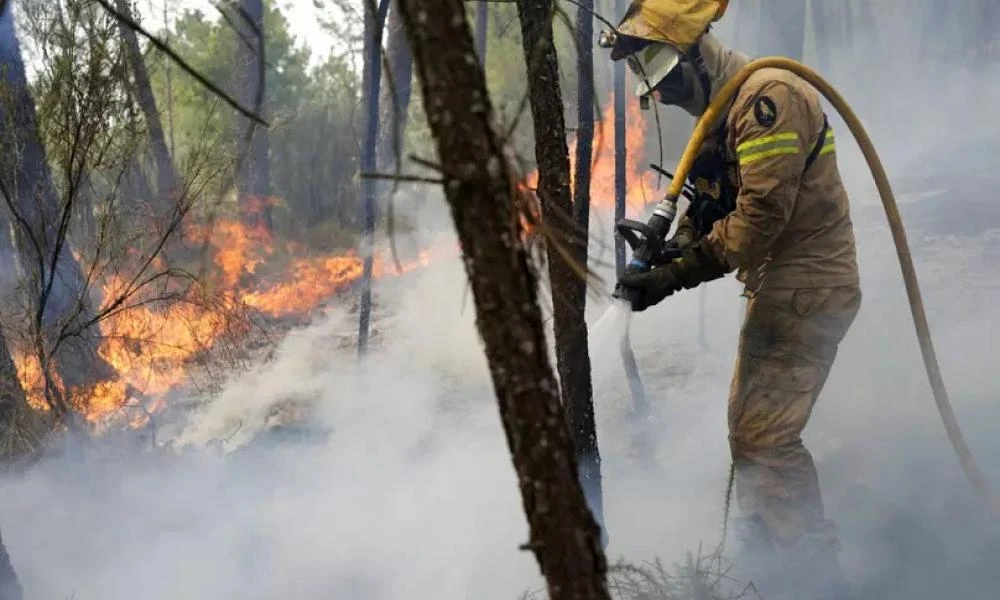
[(647, 240)]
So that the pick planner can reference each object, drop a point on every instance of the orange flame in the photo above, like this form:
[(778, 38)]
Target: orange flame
[(152, 348), (641, 183)]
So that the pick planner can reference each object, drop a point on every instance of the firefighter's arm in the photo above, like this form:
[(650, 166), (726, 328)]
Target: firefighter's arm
[(772, 139)]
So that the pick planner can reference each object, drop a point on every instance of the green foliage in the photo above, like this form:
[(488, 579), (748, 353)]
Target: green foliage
[(506, 71), (314, 152)]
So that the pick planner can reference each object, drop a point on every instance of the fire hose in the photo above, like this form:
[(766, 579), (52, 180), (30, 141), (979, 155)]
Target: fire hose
[(646, 239)]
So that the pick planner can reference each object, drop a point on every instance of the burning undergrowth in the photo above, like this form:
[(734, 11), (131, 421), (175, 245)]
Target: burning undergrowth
[(169, 329), (235, 290)]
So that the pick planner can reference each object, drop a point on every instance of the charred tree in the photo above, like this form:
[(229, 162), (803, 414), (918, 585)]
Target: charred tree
[(480, 189), (57, 292), (253, 176), (397, 86), (565, 272), (166, 174), (578, 393), (10, 587), (482, 29), (370, 84), (782, 28)]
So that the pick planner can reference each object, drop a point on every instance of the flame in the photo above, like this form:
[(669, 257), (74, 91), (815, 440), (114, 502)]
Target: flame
[(326, 276), (151, 347), (641, 183)]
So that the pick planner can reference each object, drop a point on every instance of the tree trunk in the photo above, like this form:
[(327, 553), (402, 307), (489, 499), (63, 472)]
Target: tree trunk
[(166, 174), (370, 84), (480, 190), (20, 429), (10, 587), (57, 290), (552, 156), (621, 150), (574, 357), (253, 179), (394, 95), (134, 184), (482, 29), (782, 28)]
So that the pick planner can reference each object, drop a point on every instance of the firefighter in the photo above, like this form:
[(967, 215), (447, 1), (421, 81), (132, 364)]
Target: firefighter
[(788, 234)]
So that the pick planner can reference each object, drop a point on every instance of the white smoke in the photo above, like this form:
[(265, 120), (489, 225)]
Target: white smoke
[(403, 487)]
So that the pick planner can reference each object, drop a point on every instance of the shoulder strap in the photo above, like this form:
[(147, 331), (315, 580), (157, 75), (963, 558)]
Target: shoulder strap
[(819, 144)]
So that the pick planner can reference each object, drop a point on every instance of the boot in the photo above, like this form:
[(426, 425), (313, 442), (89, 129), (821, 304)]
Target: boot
[(811, 562), (756, 561)]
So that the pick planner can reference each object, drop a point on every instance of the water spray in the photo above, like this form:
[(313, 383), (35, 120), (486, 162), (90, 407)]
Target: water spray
[(648, 239)]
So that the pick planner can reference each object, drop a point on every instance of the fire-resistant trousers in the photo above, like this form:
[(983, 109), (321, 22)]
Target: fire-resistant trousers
[(787, 346)]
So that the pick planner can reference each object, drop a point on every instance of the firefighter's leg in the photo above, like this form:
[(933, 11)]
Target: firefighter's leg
[(787, 347)]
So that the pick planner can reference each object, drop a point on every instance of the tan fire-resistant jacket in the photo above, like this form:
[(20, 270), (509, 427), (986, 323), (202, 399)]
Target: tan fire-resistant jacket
[(791, 227)]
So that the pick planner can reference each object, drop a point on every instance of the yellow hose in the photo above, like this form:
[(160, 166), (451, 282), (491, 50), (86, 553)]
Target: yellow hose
[(701, 130)]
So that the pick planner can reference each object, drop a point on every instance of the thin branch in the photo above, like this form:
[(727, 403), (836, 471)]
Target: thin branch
[(163, 47), (401, 178)]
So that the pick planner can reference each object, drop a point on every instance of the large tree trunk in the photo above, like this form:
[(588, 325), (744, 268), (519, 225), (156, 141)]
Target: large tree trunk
[(568, 287), (370, 84), (480, 190), (578, 392), (57, 290), (10, 587), (166, 174), (397, 86), (782, 28), (253, 179)]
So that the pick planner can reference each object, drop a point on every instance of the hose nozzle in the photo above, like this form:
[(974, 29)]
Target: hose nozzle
[(647, 240)]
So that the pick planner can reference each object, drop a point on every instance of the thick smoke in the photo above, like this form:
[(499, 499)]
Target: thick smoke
[(401, 485)]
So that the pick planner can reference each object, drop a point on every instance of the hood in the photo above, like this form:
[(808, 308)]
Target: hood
[(720, 62)]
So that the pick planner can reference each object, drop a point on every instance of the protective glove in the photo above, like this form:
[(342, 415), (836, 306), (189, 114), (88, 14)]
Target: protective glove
[(686, 233), (696, 265)]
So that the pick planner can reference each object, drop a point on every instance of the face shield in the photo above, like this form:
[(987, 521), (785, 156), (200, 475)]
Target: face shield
[(663, 74), (651, 65)]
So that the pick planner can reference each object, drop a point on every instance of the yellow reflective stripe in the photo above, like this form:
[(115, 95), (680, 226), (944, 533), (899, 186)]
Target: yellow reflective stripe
[(755, 156), (829, 145), (780, 137)]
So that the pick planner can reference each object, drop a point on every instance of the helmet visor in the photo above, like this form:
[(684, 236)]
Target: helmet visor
[(651, 65)]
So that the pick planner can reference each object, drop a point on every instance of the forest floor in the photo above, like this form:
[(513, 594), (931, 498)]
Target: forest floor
[(391, 478)]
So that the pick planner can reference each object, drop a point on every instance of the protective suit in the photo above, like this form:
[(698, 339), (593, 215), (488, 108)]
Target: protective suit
[(790, 238)]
